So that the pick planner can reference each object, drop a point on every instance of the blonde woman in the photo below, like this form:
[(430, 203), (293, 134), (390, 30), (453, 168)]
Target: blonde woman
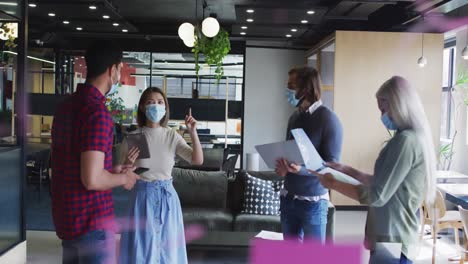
[(403, 175)]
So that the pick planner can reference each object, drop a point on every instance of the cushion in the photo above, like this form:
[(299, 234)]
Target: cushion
[(257, 223), (261, 197), (210, 219), (200, 189)]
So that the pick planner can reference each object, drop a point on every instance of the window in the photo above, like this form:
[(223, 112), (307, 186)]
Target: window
[(447, 125)]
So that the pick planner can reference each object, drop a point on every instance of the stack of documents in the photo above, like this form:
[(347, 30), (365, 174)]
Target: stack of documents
[(300, 151)]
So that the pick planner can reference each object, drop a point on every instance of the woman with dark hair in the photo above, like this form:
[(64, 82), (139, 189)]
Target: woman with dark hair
[(154, 232), (304, 201)]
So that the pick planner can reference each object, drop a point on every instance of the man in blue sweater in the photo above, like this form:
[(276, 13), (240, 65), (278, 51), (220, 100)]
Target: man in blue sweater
[(304, 201)]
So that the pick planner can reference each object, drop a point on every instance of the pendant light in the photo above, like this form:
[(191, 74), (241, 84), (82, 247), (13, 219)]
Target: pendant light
[(422, 61), (464, 52), (187, 32)]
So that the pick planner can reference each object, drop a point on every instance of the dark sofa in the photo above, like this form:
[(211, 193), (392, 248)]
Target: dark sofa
[(212, 200)]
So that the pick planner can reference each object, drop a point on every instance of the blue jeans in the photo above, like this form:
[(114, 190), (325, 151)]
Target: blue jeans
[(303, 220), (94, 247)]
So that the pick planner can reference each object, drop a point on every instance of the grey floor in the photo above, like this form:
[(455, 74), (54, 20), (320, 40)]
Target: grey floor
[(44, 247)]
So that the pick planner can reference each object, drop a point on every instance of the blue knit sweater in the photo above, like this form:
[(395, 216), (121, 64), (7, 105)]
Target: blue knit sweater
[(326, 133)]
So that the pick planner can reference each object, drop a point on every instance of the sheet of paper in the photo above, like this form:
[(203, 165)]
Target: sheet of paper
[(340, 176), (311, 157), (269, 235), (270, 153)]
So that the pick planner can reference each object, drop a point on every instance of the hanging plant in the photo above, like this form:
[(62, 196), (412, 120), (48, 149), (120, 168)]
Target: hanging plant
[(214, 50)]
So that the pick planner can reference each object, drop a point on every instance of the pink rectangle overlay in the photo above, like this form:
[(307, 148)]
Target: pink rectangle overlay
[(269, 252)]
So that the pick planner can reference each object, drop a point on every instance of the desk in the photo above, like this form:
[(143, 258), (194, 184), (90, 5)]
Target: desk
[(455, 193), (451, 177)]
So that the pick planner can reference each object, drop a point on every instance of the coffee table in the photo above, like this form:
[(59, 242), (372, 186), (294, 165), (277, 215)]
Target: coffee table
[(223, 240), (221, 247)]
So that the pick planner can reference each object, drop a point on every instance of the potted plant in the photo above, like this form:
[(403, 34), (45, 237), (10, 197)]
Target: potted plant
[(115, 106), (213, 49), (460, 90)]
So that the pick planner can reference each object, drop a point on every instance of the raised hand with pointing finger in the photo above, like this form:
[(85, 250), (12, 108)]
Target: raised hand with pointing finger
[(191, 122)]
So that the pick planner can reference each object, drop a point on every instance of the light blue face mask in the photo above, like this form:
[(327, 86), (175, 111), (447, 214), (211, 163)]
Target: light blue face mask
[(155, 112), (114, 86), (388, 123), (113, 89), (291, 95)]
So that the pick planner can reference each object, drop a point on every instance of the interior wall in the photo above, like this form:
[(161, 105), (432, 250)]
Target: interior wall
[(363, 61), (267, 110)]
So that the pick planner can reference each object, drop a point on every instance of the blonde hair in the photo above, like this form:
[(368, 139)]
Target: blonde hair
[(407, 112)]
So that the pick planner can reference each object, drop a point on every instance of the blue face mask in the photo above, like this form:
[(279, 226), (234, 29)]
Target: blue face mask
[(291, 95), (114, 86), (113, 89), (155, 112), (388, 123)]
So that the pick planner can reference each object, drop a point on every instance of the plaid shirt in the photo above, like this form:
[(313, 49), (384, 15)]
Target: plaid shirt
[(82, 123)]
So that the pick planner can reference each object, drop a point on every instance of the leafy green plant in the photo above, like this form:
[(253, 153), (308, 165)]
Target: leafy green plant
[(9, 44), (460, 90), (214, 50), (116, 108), (446, 154)]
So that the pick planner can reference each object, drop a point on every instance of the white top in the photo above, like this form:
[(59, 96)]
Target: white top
[(164, 143)]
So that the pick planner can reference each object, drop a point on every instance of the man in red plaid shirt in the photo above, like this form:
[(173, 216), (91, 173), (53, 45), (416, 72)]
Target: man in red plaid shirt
[(83, 176)]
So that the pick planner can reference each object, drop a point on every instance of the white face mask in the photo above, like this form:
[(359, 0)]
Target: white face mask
[(115, 84)]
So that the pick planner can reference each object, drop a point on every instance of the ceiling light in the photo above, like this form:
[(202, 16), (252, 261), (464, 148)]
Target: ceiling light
[(32, 5), (92, 7), (189, 42), (105, 16), (250, 11), (288, 35), (310, 12), (79, 28), (66, 22), (464, 52), (81, 65), (293, 30), (244, 27), (30, 57), (8, 4), (243, 33), (422, 61), (304, 21), (250, 20), (115, 24), (51, 14), (186, 31), (210, 27), (125, 30)]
